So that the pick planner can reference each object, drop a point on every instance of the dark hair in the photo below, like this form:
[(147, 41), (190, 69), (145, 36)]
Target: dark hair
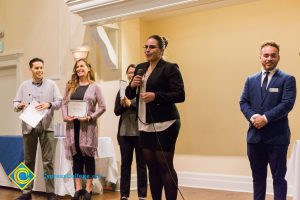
[(162, 41), (35, 60), (269, 43), (130, 66)]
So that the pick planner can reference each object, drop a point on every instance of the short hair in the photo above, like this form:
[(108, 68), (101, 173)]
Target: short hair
[(162, 41), (35, 60), (130, 66), (269, 43)]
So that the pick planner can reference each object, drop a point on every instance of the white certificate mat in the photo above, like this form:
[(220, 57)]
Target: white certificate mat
[(77, 108), (32, 116)]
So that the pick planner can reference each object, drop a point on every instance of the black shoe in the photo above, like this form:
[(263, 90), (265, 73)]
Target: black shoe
[(124, 198), (26, 196), (88, 195), (78, 194), (52, 196)]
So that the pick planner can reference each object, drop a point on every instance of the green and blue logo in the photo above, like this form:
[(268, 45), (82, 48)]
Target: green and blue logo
[(21, 176)]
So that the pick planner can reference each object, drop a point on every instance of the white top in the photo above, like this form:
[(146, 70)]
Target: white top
[(271, 74), (149, 127)]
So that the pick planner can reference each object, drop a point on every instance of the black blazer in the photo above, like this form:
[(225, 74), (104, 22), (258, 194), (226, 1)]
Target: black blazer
[(167, 84)]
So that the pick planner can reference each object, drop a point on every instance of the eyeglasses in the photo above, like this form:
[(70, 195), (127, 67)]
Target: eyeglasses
[(150, 46)]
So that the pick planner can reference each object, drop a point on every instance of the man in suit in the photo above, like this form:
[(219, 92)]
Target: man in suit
[(267, 99)]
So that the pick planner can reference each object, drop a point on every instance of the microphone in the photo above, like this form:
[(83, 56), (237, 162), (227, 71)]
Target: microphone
[(139, 72)]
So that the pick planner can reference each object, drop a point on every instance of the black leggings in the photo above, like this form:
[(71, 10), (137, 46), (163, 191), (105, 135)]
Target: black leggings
[(82, 163), (161, 174), (159, 161)]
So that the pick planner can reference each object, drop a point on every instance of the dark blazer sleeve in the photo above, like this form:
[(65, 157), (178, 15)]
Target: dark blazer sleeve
[(175, 92), (130, 92), (287, 101), (119, 109), (245, 105)]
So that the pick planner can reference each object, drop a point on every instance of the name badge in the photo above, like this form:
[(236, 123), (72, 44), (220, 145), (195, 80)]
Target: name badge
[(273, 89)]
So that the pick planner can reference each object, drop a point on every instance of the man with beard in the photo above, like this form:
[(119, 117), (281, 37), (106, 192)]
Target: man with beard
[(267, 99)]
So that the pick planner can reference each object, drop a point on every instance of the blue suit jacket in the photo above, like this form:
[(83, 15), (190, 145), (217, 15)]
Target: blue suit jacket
[(275, 105)]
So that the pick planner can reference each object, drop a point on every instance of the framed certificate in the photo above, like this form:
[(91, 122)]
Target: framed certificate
[(77, 108)]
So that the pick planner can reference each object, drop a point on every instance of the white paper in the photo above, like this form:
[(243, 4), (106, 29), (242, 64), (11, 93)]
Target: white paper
[(32, 116), (123, 85)]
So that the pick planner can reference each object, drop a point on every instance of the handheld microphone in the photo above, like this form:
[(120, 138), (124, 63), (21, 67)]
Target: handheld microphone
[(139, 72)]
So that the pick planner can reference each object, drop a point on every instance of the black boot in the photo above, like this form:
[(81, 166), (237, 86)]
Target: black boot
[(78, 194), (88, 196), (26, 196)]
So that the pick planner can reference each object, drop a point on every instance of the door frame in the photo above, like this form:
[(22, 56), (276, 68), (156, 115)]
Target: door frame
[(15, 60)]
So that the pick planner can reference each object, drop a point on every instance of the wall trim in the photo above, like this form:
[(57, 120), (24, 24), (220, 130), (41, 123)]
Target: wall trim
[(216, 182), (15, 60)]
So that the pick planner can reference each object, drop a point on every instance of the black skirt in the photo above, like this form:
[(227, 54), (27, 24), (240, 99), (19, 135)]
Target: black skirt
[(161, 141)]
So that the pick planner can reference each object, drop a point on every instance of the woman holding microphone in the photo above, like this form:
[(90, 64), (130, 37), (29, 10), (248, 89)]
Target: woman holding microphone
[(157, 86)]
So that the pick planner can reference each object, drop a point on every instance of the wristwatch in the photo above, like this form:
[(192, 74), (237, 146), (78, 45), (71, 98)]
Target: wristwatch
[(50, 105)]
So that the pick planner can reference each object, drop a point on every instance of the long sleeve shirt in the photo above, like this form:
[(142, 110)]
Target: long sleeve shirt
[(46, 92)]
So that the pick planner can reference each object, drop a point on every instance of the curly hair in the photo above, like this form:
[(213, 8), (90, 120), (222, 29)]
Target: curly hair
[(269, 43), (73, 84)]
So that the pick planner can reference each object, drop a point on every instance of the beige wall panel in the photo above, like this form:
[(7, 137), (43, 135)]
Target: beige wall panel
[(46, 29), (9, 118), (216, 50)]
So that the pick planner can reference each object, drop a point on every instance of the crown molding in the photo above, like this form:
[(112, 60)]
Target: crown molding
[(99, 12)]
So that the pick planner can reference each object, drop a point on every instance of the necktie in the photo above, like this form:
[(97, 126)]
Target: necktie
[(264, 84)]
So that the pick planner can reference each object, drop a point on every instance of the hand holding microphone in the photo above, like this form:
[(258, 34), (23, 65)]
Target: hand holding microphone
[(137, 79)]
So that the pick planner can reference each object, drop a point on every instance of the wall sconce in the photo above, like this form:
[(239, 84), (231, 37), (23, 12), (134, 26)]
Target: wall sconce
[(80, 52)]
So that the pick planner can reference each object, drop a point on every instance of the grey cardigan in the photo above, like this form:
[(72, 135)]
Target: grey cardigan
[(49, 93)]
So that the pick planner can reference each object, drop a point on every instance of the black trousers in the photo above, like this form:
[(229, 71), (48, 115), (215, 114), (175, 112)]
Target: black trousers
[(260, 155), (82, 165), (127, 145)]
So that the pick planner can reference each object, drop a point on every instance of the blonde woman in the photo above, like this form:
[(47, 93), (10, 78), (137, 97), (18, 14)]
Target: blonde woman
[(82, 133)]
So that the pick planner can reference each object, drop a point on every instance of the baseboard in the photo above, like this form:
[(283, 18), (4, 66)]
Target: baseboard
[(216, 182)]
